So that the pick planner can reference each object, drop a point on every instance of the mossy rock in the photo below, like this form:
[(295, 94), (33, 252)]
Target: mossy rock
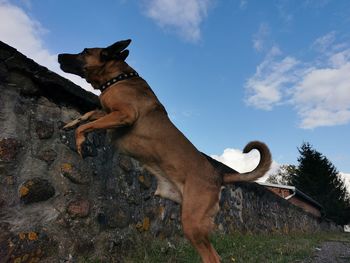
[(36, 190)]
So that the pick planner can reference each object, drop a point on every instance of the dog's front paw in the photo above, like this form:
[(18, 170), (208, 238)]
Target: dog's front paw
[(71, 124)]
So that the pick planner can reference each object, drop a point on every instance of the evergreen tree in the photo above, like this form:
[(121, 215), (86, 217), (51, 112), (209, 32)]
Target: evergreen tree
[(317, 177)]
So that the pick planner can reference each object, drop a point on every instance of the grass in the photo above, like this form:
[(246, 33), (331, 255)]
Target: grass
[(234, 248)]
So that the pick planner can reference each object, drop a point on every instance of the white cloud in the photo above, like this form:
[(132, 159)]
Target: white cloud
[(182, 16), (259, 38), (319, 91), (339, 59), (25, 34), (346, 179), (315, 3), (322, 97), (324, 42), (285, 12), (243, 4), (287, 8), (265, 88), (235, 159)]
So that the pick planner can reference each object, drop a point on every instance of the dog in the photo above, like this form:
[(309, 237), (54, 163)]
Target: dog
[(140, 128)]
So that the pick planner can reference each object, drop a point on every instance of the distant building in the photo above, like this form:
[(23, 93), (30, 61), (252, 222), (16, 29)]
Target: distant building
[(296, 197)]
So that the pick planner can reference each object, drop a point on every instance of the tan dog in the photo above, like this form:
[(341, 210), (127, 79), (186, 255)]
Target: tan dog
[(141, 128)]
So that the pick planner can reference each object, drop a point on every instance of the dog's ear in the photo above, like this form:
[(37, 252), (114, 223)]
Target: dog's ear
[(122, 55), (114, 50)]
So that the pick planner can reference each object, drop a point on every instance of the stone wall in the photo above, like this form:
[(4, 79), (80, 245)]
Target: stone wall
[(56, 207)]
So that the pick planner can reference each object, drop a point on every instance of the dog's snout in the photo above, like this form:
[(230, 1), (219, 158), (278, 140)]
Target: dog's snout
[(60, 58), (71, 63), (64, 58)]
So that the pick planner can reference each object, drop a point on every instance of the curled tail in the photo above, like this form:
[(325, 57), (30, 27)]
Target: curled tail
[(259, 171)]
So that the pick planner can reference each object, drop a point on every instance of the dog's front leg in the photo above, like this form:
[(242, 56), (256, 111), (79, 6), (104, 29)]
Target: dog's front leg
[(91, 115), (125, 116)]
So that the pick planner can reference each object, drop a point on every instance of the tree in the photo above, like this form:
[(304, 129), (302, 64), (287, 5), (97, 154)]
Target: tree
[(283, 175), (317, 177)]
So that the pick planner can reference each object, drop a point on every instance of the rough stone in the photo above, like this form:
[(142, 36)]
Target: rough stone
[(2, 202), (102, 219), (84, 247), (47, 155), (20, 108), (68, 139), (114, 215), (9, 148), (69, 171), (24, 247), (145, 180), (89, 146), (79, 208), (5, 52), (10, 180), (3, 73), (119, 218), (44, 129), (125, 163), (14, 64), (25, 84), (144, 225), (36, 190)]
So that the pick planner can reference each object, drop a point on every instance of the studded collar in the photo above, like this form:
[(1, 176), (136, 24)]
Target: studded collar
[(118, 78)]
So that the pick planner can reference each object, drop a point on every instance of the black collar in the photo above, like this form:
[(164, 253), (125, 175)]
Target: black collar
[(118, 78)]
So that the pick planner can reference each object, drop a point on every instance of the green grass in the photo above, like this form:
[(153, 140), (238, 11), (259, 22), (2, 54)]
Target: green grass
[(234, 248)]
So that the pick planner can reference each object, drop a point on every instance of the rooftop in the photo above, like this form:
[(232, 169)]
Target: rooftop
[(295, 190)]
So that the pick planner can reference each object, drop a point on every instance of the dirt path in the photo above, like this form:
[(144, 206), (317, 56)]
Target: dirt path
[(331, 252)]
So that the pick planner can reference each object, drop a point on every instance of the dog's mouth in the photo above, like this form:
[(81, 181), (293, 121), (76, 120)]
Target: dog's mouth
[(71, 64)]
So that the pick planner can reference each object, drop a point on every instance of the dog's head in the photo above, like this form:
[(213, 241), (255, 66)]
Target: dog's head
[(91, 59)]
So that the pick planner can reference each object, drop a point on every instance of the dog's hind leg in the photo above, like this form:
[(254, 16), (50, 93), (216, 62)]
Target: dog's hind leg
[(199, 207)]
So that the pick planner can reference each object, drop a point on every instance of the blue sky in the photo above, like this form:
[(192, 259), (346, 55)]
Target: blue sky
[(228, 71)]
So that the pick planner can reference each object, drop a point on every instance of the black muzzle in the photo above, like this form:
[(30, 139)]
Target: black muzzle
[(71, 64)]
